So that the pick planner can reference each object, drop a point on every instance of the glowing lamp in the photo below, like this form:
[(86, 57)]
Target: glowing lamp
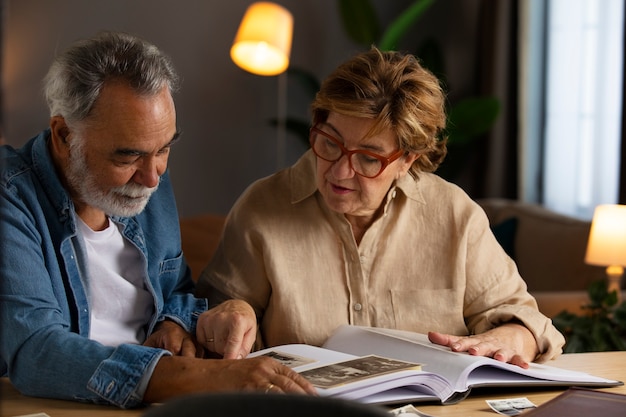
[(263, 41), (607, 242)]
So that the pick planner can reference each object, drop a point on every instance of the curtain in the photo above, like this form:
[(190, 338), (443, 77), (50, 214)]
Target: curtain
[(491, 169), (622, 171), (2, 17)]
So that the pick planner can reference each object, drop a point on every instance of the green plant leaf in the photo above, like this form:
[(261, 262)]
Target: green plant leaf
[(430, 56), (619, 316), (601, 333), (575, 345), (601, 328), (471, 117), (564, 321), (360, 21), (599, 294), (616, 342), (396, 30), (611, 298)]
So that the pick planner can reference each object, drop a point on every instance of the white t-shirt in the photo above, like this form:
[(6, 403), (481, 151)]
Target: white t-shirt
[(120, 303)]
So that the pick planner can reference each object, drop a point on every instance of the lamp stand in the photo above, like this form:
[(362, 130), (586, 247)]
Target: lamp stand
[(281, 128), (614, 275)]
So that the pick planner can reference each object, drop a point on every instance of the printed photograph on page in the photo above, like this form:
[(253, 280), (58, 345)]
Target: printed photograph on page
[(288, 359), (342, 373)]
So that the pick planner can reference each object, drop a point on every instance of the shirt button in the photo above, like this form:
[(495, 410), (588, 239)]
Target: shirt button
[(357, 307), (362, 259), (393, 194)]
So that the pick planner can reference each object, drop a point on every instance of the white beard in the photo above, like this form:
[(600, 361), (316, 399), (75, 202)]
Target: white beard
[(124, 201)]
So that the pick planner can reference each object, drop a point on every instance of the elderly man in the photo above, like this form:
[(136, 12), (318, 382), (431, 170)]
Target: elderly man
[(96, 299)]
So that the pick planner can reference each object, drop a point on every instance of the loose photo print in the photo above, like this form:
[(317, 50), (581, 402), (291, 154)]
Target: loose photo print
[(288, 359), (342, 373)]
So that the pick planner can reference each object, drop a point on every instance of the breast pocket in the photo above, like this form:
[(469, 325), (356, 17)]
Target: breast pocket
[(427, 310), (169, 271)]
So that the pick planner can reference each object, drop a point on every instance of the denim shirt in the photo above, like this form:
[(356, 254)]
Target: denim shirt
[(44, 299)]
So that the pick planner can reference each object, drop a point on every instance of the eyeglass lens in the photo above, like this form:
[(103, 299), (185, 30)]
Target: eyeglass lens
[(362, 163)]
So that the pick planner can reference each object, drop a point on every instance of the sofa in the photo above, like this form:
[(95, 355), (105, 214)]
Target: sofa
[(200, 236), (549, 249)]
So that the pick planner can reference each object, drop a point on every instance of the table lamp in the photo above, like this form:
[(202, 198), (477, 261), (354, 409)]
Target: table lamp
[(262, 46), (263, 41), (607, 242)]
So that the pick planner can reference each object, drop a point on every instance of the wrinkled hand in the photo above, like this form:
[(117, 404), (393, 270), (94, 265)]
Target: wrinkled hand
[(510, 342), (228, 329), (263, 374), (169, 335), (176, 375)]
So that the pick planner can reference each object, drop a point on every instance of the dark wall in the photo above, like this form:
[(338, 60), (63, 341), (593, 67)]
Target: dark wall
[(222, 111)]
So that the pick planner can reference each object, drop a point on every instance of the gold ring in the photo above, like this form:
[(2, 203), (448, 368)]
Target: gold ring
[(211, 340), (269, 388)]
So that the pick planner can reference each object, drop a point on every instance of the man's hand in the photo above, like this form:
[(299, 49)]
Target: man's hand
[(510, 342), (228, 329), (169, 335), (175, 375)]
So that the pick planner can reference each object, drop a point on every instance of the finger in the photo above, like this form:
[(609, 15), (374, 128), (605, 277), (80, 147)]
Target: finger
[(293, 383), (210, 344), (305, 385), (485, 348), (201, 352), (168, 344), (150, 342), (455, 343), (519, 361), (473, 346), (203, 336), (442, 338), (271, 388), (239, 341), (248, 342), (233, 348), (188, 348)]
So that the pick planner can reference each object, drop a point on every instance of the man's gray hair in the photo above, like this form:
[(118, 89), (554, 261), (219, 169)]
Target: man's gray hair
[(76, 77)]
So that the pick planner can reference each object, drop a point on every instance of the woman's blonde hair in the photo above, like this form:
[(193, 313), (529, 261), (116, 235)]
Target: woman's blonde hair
[(395, 90)]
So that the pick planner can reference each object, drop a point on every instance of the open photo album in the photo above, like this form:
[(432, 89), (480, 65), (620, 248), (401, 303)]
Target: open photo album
[(384, 366)]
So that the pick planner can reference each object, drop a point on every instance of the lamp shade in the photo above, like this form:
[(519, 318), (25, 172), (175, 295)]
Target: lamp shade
[(263, 41), (607, 238)]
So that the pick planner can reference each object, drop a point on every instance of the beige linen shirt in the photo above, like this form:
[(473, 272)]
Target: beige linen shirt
[(430, 262)]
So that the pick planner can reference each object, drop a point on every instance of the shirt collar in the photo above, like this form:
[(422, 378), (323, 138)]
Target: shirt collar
[(303, 177), (45, 170), (409, 186)]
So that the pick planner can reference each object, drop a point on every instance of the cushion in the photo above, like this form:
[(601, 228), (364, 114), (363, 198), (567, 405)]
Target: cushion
[(505, 235), (200, 236)]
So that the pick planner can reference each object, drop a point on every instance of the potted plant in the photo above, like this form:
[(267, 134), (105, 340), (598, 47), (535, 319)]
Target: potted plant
[(602, 327)]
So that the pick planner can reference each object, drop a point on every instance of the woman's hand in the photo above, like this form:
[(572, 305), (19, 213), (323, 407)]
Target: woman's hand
[(228, 329), (511, 342)]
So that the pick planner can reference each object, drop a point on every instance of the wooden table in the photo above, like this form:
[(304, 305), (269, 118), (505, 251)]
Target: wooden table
[(12, 403), (606, 364)]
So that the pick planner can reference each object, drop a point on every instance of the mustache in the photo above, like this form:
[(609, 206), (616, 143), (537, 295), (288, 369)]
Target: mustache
[(134, 190)]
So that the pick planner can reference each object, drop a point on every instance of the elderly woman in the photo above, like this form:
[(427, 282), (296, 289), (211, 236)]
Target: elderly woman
[(360, 230)]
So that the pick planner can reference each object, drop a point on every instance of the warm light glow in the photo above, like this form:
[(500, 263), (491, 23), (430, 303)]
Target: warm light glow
[(607, 239), (263, 42), (607, 243)]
